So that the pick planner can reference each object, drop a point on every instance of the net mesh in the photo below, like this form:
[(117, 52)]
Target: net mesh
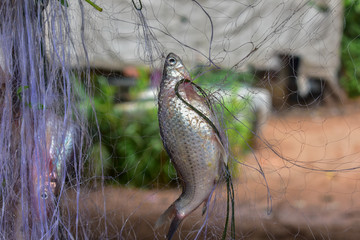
[(80, 161)]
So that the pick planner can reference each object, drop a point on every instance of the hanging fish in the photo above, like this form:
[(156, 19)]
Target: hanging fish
[(48, 164), (189, 131)]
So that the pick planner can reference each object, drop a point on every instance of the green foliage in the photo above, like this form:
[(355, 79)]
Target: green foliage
[(140, 149), (100, 159), (142, 82), (350, 48), (131, 149), (224, 78), (239, 132)]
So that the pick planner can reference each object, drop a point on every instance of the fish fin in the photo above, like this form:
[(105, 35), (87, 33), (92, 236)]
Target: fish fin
[(204, 208), (223, 152), (169, 213), (174, 225)]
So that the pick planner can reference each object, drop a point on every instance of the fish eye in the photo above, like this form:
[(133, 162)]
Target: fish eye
[(172, 61), (44, 195)]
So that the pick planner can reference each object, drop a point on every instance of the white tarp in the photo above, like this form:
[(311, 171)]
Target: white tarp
[(246, 32), (114, 38)]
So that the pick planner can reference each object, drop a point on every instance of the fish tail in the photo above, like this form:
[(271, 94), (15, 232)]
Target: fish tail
[(174, 225), (169, 213)]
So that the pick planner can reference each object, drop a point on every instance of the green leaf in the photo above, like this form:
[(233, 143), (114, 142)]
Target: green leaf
[(94, 5), (20, 90), (40, 106), (64, 3)]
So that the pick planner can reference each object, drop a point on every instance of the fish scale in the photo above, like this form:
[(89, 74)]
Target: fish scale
[(190, 141)]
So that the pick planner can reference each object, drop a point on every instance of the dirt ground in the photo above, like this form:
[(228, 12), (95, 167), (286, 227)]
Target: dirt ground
[(310, 159)]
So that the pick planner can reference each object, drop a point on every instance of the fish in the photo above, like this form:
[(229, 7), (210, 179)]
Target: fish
[(189, 130), (50, 158)]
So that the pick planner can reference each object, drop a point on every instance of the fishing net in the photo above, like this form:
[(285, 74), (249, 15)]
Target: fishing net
[(81, 155)]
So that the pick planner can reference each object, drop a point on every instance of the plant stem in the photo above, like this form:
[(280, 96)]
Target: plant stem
[(94, 5)]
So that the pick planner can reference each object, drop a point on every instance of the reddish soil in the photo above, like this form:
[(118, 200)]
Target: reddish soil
[(314, 185)]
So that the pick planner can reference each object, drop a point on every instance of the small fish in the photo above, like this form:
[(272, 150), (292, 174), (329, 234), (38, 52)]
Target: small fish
[(188, 128), (49, 159)]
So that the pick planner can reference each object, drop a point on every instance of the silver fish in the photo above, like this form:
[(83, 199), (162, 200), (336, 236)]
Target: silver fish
[(190, 139), (50, 157)]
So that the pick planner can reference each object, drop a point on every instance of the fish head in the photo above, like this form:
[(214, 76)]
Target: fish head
[(174, 68), (44, 184)]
